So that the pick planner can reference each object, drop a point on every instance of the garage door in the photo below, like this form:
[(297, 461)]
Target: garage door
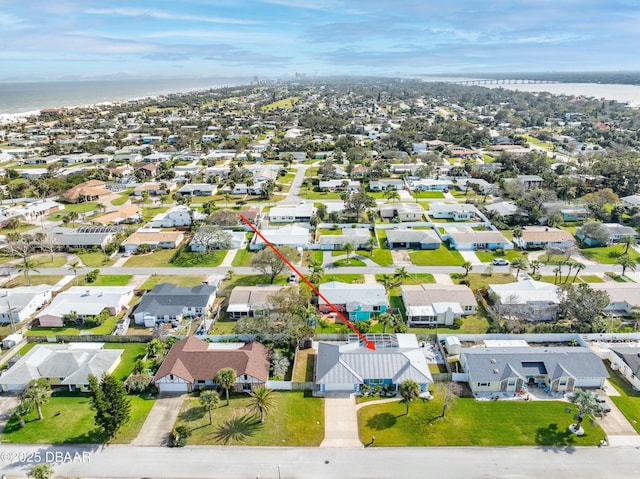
[(172, 387)]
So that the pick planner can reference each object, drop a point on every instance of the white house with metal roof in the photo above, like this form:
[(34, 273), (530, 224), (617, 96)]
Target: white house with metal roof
[(348, 366), (62, 364), (290, 235), (17, 304), (431, 304), (528, 300)]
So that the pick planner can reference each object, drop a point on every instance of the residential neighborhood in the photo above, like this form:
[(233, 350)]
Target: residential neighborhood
[(322, 264)]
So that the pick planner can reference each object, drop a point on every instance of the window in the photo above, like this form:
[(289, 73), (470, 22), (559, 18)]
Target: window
[(483, 385), (563, 382), (376, 308)]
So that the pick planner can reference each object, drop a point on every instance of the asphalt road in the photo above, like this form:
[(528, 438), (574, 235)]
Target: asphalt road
[(316, 463)]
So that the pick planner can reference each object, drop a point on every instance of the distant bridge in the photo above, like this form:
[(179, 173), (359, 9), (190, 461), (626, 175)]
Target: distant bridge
[(503, 81)]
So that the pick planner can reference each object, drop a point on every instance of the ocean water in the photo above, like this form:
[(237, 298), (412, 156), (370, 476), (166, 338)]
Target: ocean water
[(32, 96)]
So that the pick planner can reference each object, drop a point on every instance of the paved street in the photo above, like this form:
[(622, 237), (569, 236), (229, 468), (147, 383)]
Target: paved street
[(124, 461)]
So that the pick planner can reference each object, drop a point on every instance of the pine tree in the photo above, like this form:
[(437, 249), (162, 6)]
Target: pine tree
[(109, 400)]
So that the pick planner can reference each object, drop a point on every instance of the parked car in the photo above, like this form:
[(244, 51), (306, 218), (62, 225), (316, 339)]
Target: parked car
[(601, 400), (500, 262), (292, 279)]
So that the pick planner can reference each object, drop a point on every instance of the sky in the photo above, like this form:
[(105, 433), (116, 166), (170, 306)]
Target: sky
[(88, 39)]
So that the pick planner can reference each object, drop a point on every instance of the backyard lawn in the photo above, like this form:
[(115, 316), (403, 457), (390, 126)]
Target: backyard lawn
[(179, 280), (69, 419), (472, 423), (629, 400), (305, 361), (438, 257), (297, 419), (105, 328)]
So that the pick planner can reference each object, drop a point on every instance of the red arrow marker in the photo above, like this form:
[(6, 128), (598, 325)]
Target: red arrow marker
[(370, 344)]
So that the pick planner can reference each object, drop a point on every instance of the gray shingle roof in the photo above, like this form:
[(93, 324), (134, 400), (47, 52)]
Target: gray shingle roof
[(496, 364), (169, 299)]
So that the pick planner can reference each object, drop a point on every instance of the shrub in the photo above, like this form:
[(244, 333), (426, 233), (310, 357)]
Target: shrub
[(362, 326), (179, 436), (92, 276), (137, 383)]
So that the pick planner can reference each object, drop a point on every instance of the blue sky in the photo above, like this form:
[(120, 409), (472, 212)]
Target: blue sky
[(65, 39)]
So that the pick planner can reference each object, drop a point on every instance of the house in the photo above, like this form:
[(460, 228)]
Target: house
[(352, 366), (91, 190), (178, 216), (386, 185), (168, 303), (192, 364), (85, 301), (203, 241), (124, 214), (626, 360), (85, 236), (359, 238), (290, 235), (568, 213), (361, 301), (503, 208), (413, 239), (146, 170), (632, 201), (616, 233), (154, 237), (527, 300), (623, 297), (514, 369), (250, 300), (402, 211), (339, 185), (541, 237), (530, 181), (435, 304), (62, 364), (429, 184), (18, 304), (153, 189), (291, 213), (467, 239), (197, 189), (453, 211), (31, 212)]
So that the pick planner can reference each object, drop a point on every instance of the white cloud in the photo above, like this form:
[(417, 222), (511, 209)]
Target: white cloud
[(164, 15)]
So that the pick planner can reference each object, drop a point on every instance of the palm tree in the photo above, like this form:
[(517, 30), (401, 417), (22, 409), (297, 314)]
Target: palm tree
[(348, 248), (570, 265), (587, 404), (400, 274), (535, 266), (226, 378), (316, 270), (209, 400), (13, 223), (386, 319), (392, 195), (467, 267), (75, 266), (37, 392), (578, 267), (388, 281), (628, 241), (372, 243), (27, 266), (519, 264), (517, 233), (20, 411), (626, 262), (72, 217), (262, 401), (409, 390)]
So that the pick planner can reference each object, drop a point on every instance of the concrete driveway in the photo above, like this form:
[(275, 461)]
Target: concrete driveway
[(155, 430), (340, 421), (8, 402)]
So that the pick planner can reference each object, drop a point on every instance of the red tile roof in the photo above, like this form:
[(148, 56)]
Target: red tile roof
[(191, 359)]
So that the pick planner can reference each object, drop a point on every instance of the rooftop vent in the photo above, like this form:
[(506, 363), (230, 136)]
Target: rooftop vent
[(496, 371), (493, 361)]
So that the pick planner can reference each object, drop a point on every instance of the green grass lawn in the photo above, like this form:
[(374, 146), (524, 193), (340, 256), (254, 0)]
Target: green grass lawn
[(479, 280), (81, 208), (158, 258), (318, 257), (36, 279), (352, 262), (591, 278), (305, 361), (223, 326), (629, 400), (44, 261), (414, 278), (319, 195), (472, 423), (105, 328), (180, 280), (438, 257), (609, 254), (120, 200), (249, 280), (209, 258), (473, 324), (5, 258), (285, 104), (329, 232), (297, 419), (95, 259), (106, 280), (509, 255), (151, 211), (344, 278), (69, 419), (242, 258), (554, 280), (428, 194), (23, 228), (381, 256), (132, 352)]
